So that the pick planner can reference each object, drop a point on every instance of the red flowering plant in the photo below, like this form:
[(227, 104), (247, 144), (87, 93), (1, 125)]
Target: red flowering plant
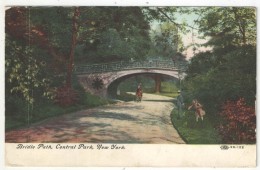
[(238, 123)]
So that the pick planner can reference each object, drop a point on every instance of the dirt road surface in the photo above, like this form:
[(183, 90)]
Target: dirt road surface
[(125, 122)]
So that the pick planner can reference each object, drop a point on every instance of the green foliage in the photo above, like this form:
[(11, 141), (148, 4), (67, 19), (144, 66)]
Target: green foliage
[(230, 79), (201, 132), (112, 34), (55, 23), (17, 110), (169, 86), (201, 63), (40, 112), (25, 71), (228, 72), (166, 41), (228, 25), (111, 44), (15, 105)]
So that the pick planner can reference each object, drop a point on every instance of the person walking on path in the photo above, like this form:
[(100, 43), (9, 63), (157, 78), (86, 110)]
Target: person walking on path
[(179, 104), (139, 93)]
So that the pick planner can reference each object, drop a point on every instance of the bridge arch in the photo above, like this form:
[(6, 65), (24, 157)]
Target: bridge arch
[(114, 78), (96, 78)]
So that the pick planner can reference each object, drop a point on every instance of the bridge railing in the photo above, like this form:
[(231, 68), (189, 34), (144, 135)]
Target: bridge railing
[(126, 65)]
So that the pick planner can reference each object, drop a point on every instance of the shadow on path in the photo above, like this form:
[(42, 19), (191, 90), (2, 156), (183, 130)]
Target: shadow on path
[(127, 122), (111, 115), (158, 100)]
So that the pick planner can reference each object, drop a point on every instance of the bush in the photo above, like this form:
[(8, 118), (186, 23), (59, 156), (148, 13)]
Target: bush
[(239, 122), (66, 96)]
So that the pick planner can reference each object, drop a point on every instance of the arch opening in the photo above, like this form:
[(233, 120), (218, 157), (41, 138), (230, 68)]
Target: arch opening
[(149, 81)]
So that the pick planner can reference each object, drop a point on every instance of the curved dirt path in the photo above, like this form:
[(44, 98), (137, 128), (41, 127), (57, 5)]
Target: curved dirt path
[(125, 122)]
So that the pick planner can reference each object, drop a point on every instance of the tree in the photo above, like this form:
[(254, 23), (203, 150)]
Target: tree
[(228, 26), (115, 34), (61, 32), (74, 39), (112, 46), (26, 72), (28, 49), (219, 75), (166, 41), (213, 83), (40, 28)]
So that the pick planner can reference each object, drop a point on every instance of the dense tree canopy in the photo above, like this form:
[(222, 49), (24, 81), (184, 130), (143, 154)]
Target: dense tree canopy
[(228, 72), (228, 26), (113, 33)]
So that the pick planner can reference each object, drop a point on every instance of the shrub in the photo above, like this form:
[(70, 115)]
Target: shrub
[(66, 96), (239, 122)]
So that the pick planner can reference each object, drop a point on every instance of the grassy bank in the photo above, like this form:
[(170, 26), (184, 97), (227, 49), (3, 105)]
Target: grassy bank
[(192, 132), (45, 110)]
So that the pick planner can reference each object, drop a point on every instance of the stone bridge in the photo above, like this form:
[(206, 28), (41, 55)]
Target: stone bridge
[(103, 79)]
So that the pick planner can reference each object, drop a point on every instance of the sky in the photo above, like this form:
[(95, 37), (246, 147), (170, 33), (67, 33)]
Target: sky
[(187, 41), (188, 38)]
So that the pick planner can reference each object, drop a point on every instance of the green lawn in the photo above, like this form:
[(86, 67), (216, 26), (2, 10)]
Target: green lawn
[(169, 89), (168, 94), (192, 132)]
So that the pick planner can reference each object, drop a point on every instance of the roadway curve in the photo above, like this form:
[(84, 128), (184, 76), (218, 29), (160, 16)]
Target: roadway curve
[(125, 122)]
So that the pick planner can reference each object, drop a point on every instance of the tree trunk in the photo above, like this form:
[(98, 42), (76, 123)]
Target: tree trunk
[(157, 83), (241, 26), (244, 34), (73, 45)]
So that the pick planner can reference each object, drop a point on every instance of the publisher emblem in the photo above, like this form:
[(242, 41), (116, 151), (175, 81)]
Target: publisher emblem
[(224, 147)]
